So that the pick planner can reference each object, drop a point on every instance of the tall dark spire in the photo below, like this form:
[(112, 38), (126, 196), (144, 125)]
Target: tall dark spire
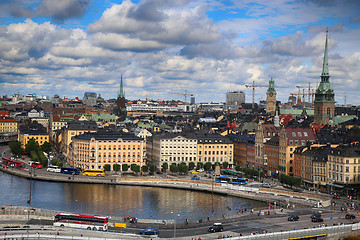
[(325, 70), (121, 90)]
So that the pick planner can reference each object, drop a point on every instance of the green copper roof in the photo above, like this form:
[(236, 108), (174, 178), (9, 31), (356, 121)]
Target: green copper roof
[(271, 88), (325, 70)]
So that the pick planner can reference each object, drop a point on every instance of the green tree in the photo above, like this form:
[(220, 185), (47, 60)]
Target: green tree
[(191, 166), (32, 145), (107, 167), (116, 167), (43, 159), (174, 168), (124, 167), (136, 168), (152, 168), (54, 162), (207, 166), (183, 168), (132, 167), (16, 148), (46, 147), (199, 165), (34, 156), (165, 166), (225, 165), (144, 168), (238, 168)]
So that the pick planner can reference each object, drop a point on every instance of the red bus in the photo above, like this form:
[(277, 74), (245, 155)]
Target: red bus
[(36, 165), (89, 222), (12, 163)]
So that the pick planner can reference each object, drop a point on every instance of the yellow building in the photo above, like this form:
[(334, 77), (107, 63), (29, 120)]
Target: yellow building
[(26, 133), (8, 125), (73, 129), (94, 150), (215, 148)]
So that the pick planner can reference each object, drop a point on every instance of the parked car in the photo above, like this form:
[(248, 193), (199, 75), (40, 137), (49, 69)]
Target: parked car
[(336, 197), (149, 231), (200, 170), (53, 169), (317, 219), (293, 218), (216, 227), (297, 190), (317, 214), (194, 172), (266, 185), (350, 216), (195, 178)]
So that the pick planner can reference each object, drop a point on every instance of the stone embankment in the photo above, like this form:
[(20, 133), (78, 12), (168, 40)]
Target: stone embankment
[(253, 193)]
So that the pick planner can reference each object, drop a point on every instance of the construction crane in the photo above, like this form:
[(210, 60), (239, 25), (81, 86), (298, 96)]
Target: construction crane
[(184, 94), (309, 88), (253, 86), (342, 93)]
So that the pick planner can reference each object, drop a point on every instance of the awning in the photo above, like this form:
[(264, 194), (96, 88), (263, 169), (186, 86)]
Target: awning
[(230, 171), (335, 185)]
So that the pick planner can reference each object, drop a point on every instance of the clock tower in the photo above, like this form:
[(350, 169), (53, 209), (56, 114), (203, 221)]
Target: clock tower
[(271, 98), (324, 103)]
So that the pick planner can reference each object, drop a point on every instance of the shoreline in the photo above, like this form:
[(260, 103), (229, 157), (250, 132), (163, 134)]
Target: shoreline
[(256, 194)]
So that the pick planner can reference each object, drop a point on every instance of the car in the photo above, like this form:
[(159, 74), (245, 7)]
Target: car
[(316, 215), (266, 185), (195, 178), (216, 227), (293, 218), (200, 170), (350, 216), (149, 231), (297, 190), (194, 172), (336, 197), (317, 219), (56, 169)]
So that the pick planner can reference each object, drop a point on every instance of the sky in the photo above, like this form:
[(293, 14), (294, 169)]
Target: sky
[(163, 48)]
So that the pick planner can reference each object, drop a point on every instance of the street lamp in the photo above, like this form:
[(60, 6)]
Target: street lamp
[(175, 224)]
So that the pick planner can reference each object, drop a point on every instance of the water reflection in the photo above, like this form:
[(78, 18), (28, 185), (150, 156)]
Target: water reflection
[(119, 201)]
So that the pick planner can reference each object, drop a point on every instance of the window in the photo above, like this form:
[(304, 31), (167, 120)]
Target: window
[(305, 134), (328, 111), (299, 134)]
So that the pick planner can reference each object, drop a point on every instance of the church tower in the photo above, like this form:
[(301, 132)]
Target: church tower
[(271, 97), (324, 103), (121, 100)]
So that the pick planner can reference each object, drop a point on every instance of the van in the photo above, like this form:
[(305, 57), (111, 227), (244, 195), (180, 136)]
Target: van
[(56, 169)]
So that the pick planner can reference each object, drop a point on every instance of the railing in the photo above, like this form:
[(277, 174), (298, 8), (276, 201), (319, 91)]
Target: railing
[(27, 211)]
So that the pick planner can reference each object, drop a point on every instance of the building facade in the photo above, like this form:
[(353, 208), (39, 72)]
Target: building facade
[(95, 150), (235, 98), (8, 125)]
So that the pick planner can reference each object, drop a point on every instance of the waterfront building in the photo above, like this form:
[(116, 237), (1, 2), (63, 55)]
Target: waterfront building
[(73, 129), (8, 125), (290, 139), (271, 98), (271, 157), (95, 150), (344, 167), (172, 148), (35, 131), (264, 132), (324, 103), (215, 149)]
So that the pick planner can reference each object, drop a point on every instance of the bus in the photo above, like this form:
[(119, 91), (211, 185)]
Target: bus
[(94, 173), (89, 222), (66, 170), (8, 162), (241, 181), (223, 179), (36, 165)]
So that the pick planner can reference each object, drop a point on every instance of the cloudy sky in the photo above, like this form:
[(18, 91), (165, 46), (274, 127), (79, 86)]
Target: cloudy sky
[(162, 47)]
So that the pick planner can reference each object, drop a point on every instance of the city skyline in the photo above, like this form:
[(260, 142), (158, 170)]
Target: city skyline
[(160, 47)]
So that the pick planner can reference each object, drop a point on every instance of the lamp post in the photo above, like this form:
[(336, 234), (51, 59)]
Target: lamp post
[(175, 224)]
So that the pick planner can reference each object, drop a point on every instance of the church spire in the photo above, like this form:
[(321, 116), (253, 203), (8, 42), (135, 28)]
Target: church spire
[(121, 91), (325, 70)]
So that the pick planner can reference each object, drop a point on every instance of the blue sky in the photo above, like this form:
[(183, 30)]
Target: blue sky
[(161, 47)]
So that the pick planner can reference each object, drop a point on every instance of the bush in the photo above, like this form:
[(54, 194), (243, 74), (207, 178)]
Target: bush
[(238, 168), (144, 168), (107, 167), (116, 167), (124, 167)]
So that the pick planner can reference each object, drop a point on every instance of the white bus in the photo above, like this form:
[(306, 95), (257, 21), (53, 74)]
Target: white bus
[(89, 222)]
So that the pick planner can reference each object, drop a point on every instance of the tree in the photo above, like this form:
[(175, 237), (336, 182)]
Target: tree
[(225, 165), (152, 168), (107, 167), (32, 145), (199, 165), (238, 168), (165, 166), (207, 166), (183, 168), (174, 168), (34, 156), (191, 166), (136, 168), (16, 148), (43, 159), (116, 167), (144, 168), (124, 167), (46, 147)]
